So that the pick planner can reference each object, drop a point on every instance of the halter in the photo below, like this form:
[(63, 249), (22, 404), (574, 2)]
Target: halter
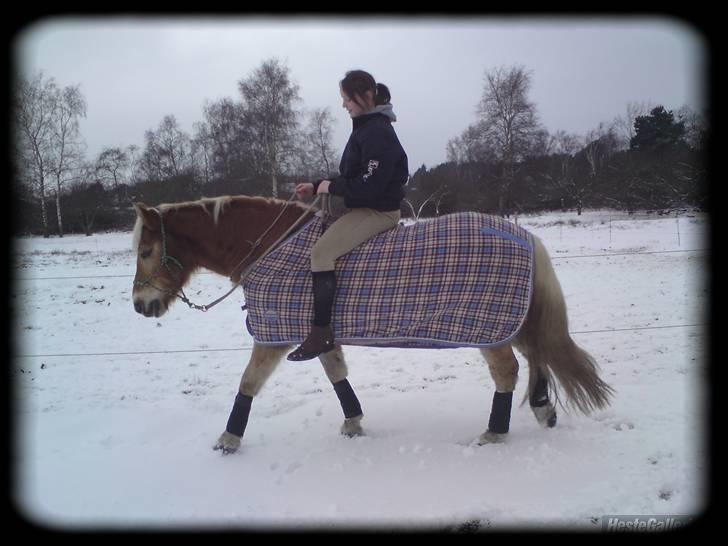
[(164, 261), (166, 258)]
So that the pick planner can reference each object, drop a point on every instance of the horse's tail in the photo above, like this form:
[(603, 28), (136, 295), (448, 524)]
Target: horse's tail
[(545, 341)]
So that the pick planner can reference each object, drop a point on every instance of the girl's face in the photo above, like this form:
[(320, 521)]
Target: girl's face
[(351, 106)]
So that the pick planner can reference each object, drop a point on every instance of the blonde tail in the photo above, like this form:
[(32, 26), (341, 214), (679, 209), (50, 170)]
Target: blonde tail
[(545, 341)]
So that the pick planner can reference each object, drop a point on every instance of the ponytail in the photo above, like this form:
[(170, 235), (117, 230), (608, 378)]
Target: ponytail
[(381, 95)]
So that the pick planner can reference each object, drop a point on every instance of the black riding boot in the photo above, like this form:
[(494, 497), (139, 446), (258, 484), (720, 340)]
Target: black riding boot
[(321, 338)]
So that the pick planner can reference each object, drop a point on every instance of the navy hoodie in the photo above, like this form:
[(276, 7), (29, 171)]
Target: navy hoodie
[(373, 166)]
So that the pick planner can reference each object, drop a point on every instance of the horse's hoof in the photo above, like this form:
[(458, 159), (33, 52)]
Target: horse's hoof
[(227, 443), (352, 427), (545, 415), (489, 437)]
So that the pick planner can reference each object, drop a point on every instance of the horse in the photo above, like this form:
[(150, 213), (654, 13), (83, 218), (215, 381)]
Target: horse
[(227, 235)]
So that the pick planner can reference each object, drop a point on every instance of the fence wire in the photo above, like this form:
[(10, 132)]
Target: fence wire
[(249, 347), (575, 256)]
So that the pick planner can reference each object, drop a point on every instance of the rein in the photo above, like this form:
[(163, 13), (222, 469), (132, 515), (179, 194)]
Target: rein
[(166, 258)]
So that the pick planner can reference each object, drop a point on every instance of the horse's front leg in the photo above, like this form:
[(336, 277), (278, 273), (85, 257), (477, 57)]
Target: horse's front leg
[(503, 368), (336, 370), (263, 361)]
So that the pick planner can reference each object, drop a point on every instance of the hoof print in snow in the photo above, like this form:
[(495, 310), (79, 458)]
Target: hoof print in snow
[(665, 494), (623, 426)]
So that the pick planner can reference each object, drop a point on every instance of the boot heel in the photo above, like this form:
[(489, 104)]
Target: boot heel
[(319, 341)]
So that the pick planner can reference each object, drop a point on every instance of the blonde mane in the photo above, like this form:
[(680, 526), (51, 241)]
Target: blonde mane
[(214, 206)]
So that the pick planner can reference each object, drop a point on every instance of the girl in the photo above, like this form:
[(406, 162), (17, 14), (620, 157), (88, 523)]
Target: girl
[(373, 171)]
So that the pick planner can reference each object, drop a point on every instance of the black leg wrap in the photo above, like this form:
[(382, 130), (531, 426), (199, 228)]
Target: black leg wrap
[(540, 395), (349, 401), (500, 412), (238, 419)]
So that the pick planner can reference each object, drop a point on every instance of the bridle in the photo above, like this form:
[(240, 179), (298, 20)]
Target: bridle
[(166, 259)]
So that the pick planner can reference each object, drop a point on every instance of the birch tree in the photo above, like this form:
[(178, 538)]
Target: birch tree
[(33, 105), (270, 119), (68, 147)]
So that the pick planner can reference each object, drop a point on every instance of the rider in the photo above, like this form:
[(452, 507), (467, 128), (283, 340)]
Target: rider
[(373, 172)]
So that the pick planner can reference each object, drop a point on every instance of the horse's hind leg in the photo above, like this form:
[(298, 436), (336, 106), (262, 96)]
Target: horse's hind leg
[(503, 368), (538, 399), (335, 368), (263, 361)]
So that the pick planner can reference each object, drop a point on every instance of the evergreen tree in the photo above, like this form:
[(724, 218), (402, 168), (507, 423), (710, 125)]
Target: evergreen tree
[(656, 130)]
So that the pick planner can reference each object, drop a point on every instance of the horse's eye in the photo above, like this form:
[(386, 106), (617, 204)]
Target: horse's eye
[(146, 253)]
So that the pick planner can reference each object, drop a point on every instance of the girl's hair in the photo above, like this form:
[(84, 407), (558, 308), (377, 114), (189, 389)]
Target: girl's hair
[(357, 82)]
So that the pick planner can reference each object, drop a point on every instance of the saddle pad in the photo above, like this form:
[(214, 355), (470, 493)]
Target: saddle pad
[(461, 280)]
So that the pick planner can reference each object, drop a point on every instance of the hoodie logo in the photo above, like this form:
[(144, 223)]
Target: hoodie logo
[(373, 164)]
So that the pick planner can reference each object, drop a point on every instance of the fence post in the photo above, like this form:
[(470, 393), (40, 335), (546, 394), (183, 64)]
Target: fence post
[(610, 230), (677, 221)]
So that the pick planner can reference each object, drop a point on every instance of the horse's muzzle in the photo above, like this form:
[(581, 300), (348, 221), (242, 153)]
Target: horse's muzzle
[(151, 309)]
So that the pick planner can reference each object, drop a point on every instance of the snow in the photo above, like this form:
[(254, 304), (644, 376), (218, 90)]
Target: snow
[(114, 431)]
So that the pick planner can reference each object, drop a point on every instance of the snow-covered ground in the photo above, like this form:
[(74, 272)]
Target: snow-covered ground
[(116, 414)]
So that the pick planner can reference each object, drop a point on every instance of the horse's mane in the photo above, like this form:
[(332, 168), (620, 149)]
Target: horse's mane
[(213, 206)]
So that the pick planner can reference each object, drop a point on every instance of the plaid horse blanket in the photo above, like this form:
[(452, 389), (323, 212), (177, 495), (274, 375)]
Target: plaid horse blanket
[(461, 280)]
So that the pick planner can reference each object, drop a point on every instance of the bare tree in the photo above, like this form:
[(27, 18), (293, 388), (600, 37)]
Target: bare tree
[(269, 118), (33, 108), (167, 152), (623, 126), (68, 146), (599, 145), (223, 121), (320, 127), (201, 149), (315, 151), (509, 121), (87, 193), (475, 144), (132, 173), (111, 167), (696, 127), (564, 146)]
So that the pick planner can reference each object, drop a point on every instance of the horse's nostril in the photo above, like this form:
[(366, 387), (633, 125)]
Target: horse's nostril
[(139, 307)]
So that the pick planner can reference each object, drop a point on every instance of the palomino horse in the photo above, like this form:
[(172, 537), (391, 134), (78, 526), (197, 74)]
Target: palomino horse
[(172, 241)]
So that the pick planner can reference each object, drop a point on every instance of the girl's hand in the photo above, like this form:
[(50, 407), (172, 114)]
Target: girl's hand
[(304, 190), (323, 187)]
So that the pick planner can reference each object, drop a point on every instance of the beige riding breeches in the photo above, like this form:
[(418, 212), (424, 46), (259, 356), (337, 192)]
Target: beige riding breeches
[(348, 232)]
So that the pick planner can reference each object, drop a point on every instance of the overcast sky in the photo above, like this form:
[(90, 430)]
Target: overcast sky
[(135, 70)]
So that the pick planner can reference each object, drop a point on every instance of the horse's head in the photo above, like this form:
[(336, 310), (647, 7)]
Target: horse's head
[(160, 273)]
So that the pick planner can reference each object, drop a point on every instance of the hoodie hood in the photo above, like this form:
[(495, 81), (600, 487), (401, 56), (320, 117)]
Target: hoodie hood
[(386, 109)]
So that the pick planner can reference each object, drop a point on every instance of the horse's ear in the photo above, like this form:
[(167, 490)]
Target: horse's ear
[(149, 217)]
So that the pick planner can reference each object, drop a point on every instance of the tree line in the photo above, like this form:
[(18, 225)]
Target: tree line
[(507, 162), (262, 142)]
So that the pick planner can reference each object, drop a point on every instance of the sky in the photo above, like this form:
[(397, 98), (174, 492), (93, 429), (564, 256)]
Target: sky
[(134, 70)]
